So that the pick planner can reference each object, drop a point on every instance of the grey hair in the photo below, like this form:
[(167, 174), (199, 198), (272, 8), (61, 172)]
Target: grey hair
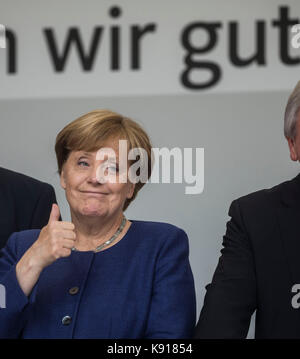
[(291, 113)]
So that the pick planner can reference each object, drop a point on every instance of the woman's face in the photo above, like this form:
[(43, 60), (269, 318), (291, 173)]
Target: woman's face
[(85, 194)]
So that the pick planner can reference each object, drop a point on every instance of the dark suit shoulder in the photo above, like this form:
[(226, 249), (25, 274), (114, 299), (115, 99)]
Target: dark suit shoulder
[(269, 196), (9, 178), (256, 213)]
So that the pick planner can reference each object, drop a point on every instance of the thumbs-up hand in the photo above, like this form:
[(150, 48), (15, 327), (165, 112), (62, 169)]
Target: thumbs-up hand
[(54, 214), (56, 240)]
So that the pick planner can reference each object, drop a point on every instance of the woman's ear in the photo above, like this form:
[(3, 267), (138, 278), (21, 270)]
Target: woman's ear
[(293, 150), (62, 179)]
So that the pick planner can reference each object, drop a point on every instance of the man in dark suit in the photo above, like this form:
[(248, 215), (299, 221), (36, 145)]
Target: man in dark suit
[(25, 203), (259, 269)]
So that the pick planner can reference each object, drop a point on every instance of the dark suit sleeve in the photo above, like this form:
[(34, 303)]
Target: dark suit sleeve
[(41, 213), (13, 310), (231, 297)]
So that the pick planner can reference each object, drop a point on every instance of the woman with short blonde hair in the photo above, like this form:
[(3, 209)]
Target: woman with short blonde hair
[(100, 275)]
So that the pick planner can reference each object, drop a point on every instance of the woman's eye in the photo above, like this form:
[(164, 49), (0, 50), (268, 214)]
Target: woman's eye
[(83, 163)]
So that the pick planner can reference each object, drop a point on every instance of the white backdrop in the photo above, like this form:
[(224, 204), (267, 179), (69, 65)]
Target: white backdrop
[(162, 54)]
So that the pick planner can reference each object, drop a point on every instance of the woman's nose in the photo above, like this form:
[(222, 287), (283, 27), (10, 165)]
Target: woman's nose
[(94, 175), (93, 179)]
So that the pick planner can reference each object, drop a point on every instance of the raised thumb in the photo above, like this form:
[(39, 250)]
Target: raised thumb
[(55, 213)]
